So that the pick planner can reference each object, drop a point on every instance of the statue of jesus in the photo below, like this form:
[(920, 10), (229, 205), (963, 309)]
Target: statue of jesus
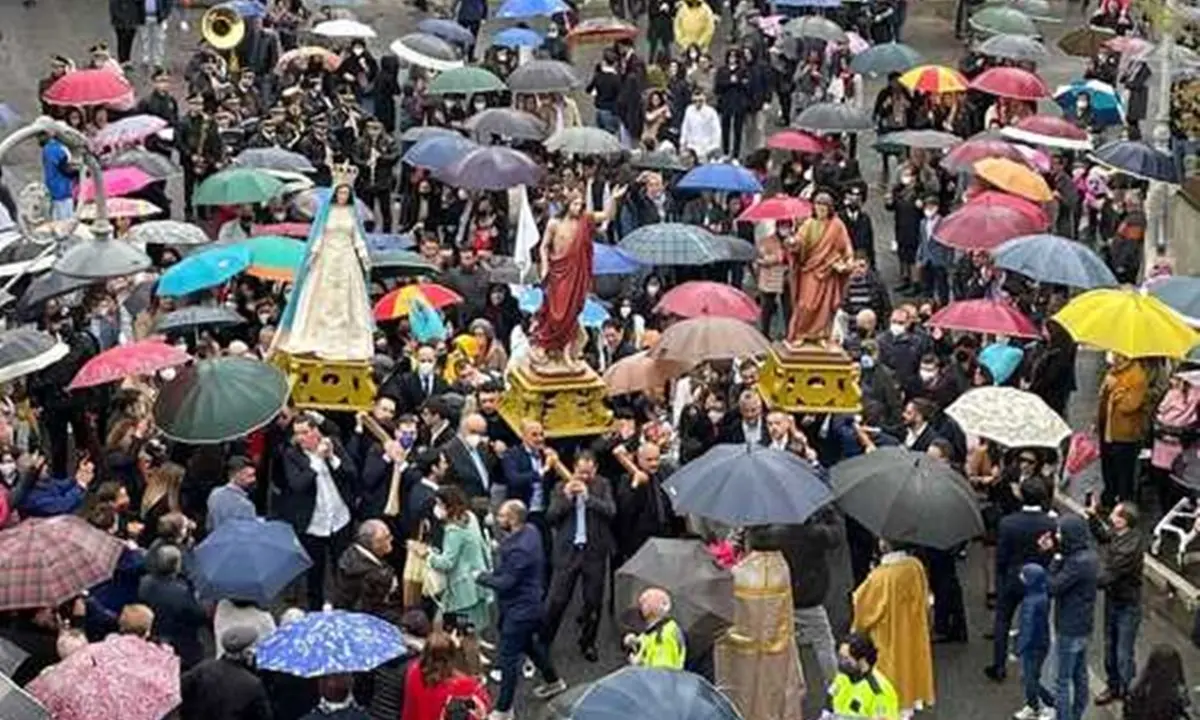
[(820, 258)]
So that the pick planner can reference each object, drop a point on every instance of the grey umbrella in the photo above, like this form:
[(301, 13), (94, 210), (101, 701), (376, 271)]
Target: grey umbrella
[(544, 76), (492, 168), (151, 163), (167, 232), (273, 158), (47, 286), (24, 351), (926, 139), (660, 161), (506, 122), (17, 704), (584, 141), (816, 27), (421, 132), (1014, 47), (885, 58), (674, 244), (503, 269), (430, 46), (833, 118), (198, 316), (739, 249)]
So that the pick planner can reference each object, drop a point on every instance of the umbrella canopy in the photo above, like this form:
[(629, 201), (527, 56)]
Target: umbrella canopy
[(274, 257), (701, 591), (780, 207), (167, 232), (1013, 177), (1181, 294), (144, 357), (117, 182), (398, 303), (994, 198), (332, 642), (148, 162), (447, 30), (287, 229), (119, 207), (329, 59), (1020, 48), (640, 372), (593, 314), (962, 157), (673, 244), (1106, 104), (544, 76), (737, 249), (829, 117), (610, 260), (401, 262), (721, 177), (934, 79), (908, 497), (197, 316), (344, 28), (710, 338), (697, 298), (1054, 259), (660, 161), (983, 226), (420, 132), (24, 350), (492, 168), (506, 122), (885, 58), (128, 131), (46, 561), (998, 20), (306, 202), (1010, 82), (1039, 10), (89, 87), (1128, 322), (438, 151), (427, 51), (238, 186), (248, 559), (273, 158), (652, 693), (927, 139), (516, 9), (1049, 131), (601, 30), (1138, 159), (517, 37), (1013, 418), (220, 399), (123, 677), (208, 268), (1086, 41), (47, 286), (747, 484), (466, 81), (798, 141), (584, 141), (814, 27), (995, 317)]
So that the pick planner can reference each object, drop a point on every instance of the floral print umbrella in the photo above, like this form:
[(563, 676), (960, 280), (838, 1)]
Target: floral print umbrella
[(122, 677), (1013, 418)]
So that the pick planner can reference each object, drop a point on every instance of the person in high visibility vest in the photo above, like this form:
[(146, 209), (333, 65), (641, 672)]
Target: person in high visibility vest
[(662, 644), (860, 690)]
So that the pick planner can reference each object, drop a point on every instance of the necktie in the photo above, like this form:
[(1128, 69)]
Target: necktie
[(428, 386), (580, 521)]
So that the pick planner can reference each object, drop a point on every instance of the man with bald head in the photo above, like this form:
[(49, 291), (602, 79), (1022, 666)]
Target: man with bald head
[(472, 464), (365, 564), (643, 506), (529, 476)]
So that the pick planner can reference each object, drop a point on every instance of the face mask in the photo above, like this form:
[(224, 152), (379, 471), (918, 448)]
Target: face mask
[(439, 512), (651, 289), (927, 374), (8, 470), (715, 416), (930, 212), (407, 439), (473, 439), (897, 329), (167, 374), (907, 180), (850, 669), (264, 318), (626, 311), (425, 367), (480, 107), (866, 362), (358, 51)]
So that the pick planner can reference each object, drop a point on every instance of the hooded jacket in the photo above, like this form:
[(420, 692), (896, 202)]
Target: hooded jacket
[(1074, 578), (1034, 627)]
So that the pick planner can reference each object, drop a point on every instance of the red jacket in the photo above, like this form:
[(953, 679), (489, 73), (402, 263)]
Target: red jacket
[(427, 703)]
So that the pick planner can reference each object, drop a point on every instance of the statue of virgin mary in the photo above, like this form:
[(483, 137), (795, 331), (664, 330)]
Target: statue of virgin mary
[(328, 315)]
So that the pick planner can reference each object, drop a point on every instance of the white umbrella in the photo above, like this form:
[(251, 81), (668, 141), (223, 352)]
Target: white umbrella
[(414, 49), (1013, 418), (344, 29)]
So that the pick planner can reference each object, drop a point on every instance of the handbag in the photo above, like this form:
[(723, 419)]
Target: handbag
[(416, 567)]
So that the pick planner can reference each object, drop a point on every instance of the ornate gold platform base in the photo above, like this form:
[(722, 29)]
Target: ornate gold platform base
[(567, 405), (810, 379), (327, 385)]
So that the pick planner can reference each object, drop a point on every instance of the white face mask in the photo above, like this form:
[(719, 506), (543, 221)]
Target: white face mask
[(930, 212), (167, 374), (927, 374), (897, 329), (626, 311), (439, 512), (715, 416), (264, 318), (651, 289), (473, 439), (8, 470), (425, 367)]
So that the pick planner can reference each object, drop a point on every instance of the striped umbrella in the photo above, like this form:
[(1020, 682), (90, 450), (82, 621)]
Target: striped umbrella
[(398, 302), (934, 79), (274, 257), (128, 131), (674, 244)]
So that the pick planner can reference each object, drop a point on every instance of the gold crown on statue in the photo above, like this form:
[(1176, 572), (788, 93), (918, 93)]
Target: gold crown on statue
[(343, 174)]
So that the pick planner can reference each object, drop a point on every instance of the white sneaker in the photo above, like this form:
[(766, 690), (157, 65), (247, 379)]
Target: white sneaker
[(1047, 713), (495, 675), (1025, 713), (528, 670), (497, 715)]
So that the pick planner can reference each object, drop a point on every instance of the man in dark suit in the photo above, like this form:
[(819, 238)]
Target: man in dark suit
[(412, 389), (315, 497), (612, 345), (747, 424), (529, 476), (472, 464), (581, 513), (436, 416), (918, 415)]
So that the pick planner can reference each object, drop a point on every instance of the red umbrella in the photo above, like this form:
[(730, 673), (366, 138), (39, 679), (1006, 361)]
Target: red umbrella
[(144, 357), (122, 677), (983, 227), (798, 141), (1011, 82), (994, 317), (287, 229), (701, 297), (44, 562), (602, 30), (1051, 131), (992, 198), (965, 155), (88, 87), (780, 207)]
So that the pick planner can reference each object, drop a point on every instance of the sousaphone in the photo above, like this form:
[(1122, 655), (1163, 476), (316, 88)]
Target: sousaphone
[(223, 28)]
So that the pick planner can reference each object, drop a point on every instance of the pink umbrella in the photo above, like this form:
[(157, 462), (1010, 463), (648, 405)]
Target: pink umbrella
[(128, 131), (856, 42), (1049, 131), (963, 157), (117, 182), (771, 25), (1034, 157), (984, 316), (122, 677), (1011, 82)]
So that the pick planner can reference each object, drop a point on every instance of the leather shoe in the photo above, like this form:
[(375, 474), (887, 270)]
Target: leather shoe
[(1107, 697), (590, 654), (994, 674)]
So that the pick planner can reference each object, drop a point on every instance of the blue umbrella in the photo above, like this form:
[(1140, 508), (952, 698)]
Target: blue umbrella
[(439, 151), (206, 269), (251, 559), (611, 260), (385, 243), (721, 177), (593, 314), (246, 8), (517, 38), (1107, 108), (641, 692), (491, 168), (332, 642), (1054, 259), (531, 8), (784, 487), (447, 30), (1181, 294), (1138, 159), (1002, 360)]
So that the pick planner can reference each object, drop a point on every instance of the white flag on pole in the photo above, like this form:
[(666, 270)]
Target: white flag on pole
[(527, 234)]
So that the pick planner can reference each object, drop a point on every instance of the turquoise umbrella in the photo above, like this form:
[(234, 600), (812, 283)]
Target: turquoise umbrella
[(206, 269)]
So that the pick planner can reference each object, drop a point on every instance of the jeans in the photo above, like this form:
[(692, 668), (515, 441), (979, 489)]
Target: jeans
[(154, 44), (62, 209), (1072, 675), (519, 638), (607, 120), (1036, 694), (813, 629), (1121, 621)]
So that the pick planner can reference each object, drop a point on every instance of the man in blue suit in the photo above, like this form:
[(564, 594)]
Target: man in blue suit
[(529, 477)]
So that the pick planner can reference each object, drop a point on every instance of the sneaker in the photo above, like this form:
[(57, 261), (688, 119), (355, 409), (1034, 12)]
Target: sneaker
[(1025, 713), (547, 691), (528, 670), (1046, 713), (497, 715), (495, 675)]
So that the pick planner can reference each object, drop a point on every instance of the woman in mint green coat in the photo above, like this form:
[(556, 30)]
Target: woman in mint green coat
[(464, 554)]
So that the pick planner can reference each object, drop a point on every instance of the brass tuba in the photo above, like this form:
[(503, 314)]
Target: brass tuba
[(223, 28)]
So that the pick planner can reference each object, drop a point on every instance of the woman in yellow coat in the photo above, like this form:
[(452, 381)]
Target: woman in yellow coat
[(892, 607), (695, 24)]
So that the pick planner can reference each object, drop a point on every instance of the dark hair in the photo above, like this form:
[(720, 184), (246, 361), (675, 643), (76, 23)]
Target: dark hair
[(454, 499), (1033, 491), (437, 659), (1129, 512), (861, 647), (427, 460), (101, 516), (926, 408)]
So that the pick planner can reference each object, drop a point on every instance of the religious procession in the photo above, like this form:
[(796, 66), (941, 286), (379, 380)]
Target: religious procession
[(842, 353)]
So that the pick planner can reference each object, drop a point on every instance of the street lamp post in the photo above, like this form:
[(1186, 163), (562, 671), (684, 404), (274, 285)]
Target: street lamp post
[(1160, 192)]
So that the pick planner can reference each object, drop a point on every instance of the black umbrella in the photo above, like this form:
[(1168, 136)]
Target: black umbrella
[(748, 484), (660, 161), (833, 118), (640, 692), (1186, 469), (24, 351), (151, 163), (503, 270), (506, 122), (400, 262), (909, 497), (1138, 159), (100, 259), (47, 286), (198, 316), (544, 76)]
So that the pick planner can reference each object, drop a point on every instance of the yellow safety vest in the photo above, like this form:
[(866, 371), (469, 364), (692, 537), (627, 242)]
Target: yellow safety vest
[(662, 647), (872, 697)]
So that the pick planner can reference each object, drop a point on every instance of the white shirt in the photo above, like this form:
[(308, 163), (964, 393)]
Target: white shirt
[(700, 131), (232, 231), (911, 437), (330, 513)]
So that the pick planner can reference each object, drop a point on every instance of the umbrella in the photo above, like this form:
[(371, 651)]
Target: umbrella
[(401, 262), (1129, 45), (1010, 82), (148, 162), (815, 27), (344, 29), (24, 350), (117, 182), (1139, 160), (221, 399), (1085, 42), (503, 270), (1015, 178), (652, 693), (208, 268), (308, 201), (934, 79), (128, 131), (780, 207), (466, 81), (47, 561), (885, 58), (1049, 131), (237, 186), (721, 177), (197, 316), (397, 303), (610, 260), (438, 151), (332, 642), (983, 227), (798, 141), (301, 55), (167, 232), (994, 198), (250, 9), (736, 249), (492, 168), (248, 559), (709, 338), (1039, 10), (144, 357), (47, 286), (123, 677), (119, 207), (584, 141), (829, 117), (962, 157), (995, 317), (515, 9), (1128, 322), (447, 30), (273, 257), (908, 497), (420, 132), (639, 372), (88, 87), (544, 76), (506, 122), (701, 591), (699, 297), (593, 314), (660, 161), (517, 37), (287, 229), (274, 158), (997, 20), (927, 139), (1054, 259), (1181, 294), (1013, 418), (1020, 48), (602, 30), (1107, 108), (673, 244), (427, 51)]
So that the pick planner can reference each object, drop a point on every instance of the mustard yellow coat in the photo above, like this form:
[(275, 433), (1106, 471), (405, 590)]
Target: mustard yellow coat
[(892, 607)]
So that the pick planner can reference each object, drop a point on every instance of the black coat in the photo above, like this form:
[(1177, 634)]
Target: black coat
[(409, 392), (178, 616), (298, 494), (223, 689), (126, 14), (1017, 544), (599, 510), (733, 90), (642, 513), (465, 473)]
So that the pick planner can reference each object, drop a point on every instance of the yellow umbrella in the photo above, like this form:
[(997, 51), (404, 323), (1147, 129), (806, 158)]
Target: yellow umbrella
[(1128, 322), (1014, 177)]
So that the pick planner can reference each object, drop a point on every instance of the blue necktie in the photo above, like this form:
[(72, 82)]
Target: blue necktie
[(580, 521)]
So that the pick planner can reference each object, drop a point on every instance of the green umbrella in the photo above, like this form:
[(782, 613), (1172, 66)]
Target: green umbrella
[(401, 262), (466, 81), (1037, 9), (238, 186), (997, 20), (220, 399), (274, 257)]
